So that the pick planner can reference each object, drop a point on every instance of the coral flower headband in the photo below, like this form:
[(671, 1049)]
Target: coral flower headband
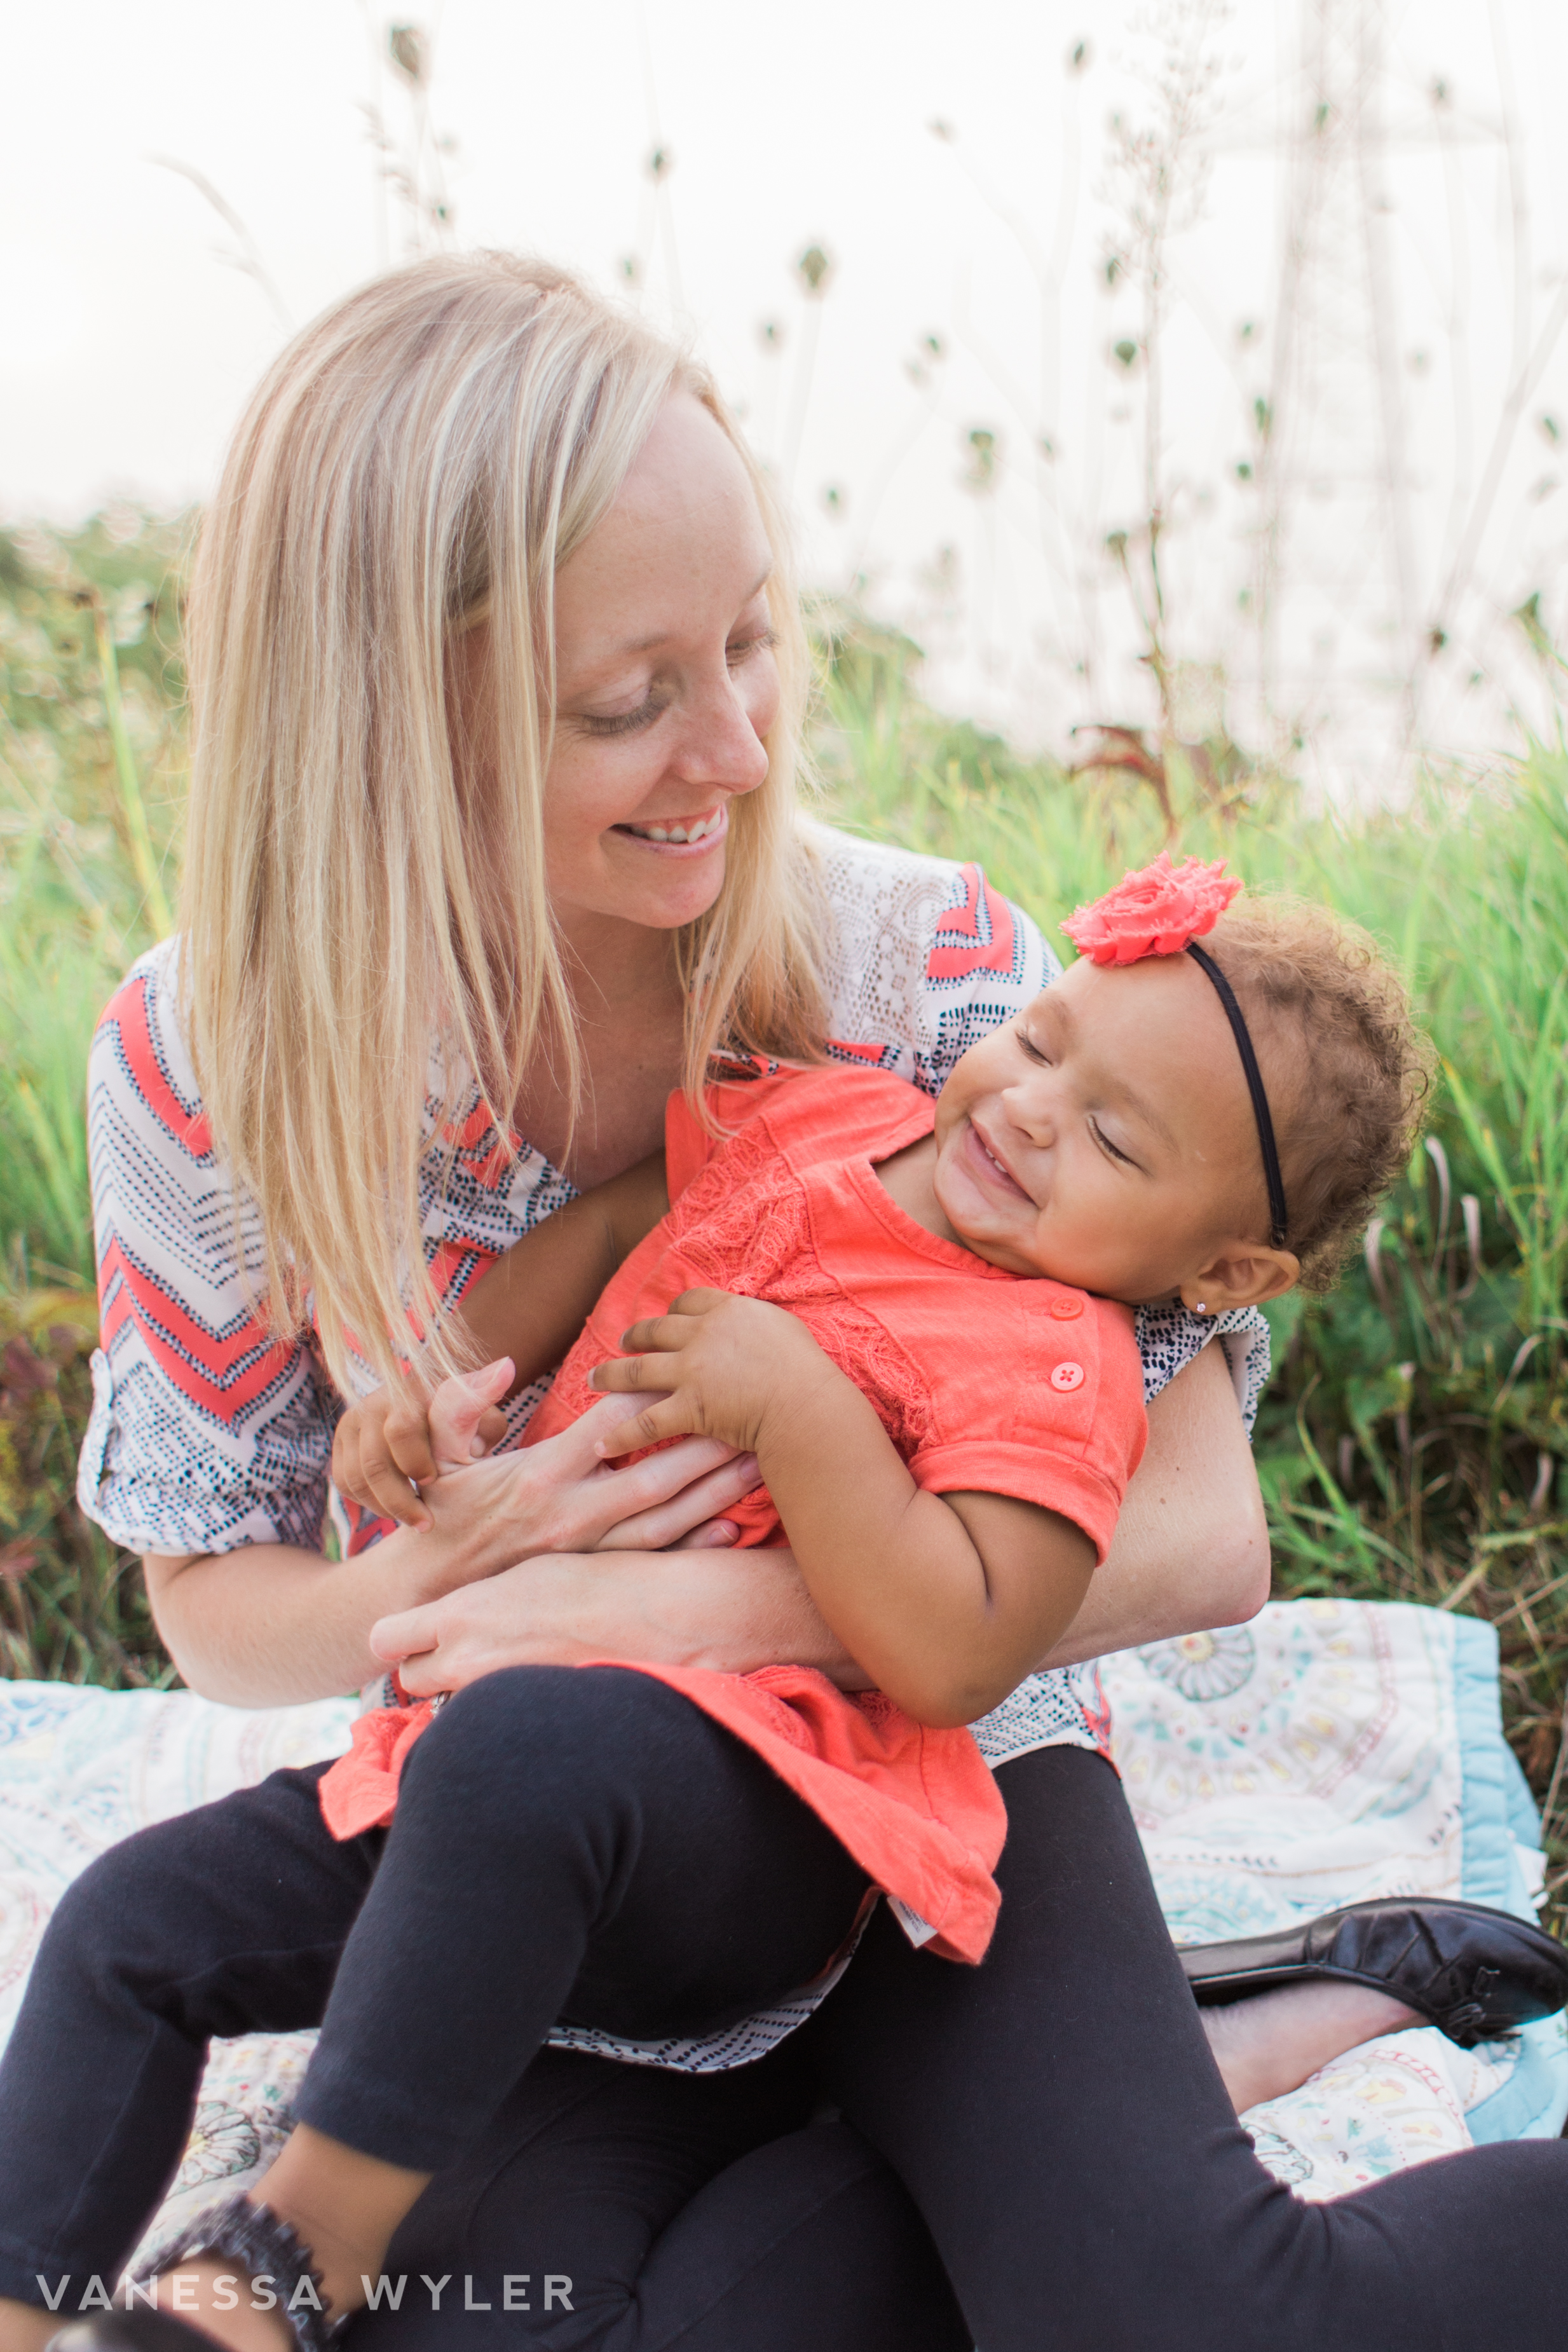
[(1161, 911)]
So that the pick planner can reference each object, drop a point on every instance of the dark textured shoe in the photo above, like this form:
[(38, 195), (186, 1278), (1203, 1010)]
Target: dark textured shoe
[(1476, 1973), (140, 2330)]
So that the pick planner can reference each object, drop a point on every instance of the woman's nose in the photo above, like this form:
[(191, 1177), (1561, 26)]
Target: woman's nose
[(719, 743)]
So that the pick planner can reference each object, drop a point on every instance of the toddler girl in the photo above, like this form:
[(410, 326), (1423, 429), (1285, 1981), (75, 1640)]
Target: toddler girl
[(917, 1318)]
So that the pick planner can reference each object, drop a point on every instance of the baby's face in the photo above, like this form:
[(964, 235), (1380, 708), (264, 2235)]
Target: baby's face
[(1104, 1137)]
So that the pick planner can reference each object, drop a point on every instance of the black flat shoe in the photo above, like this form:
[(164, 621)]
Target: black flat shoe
[(1475, 1973)]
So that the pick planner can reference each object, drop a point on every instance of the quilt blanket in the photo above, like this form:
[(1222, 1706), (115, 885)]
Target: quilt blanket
[(1327, 1751)]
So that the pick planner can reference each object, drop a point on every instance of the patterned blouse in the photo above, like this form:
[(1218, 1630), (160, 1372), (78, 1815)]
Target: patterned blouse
[(207, 1434)]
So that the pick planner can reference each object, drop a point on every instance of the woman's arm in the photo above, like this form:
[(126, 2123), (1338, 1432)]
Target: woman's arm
[(269, 1625), (1191, 1551), (1191, 1547)]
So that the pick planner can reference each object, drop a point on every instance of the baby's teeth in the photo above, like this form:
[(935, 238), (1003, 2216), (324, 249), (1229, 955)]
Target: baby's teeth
[(677, 832), (653, 833)]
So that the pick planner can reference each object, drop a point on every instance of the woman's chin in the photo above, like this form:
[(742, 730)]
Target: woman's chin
[(684, 892), (662, 896)]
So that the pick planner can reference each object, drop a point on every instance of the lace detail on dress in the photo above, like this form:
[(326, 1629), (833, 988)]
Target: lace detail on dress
[(744, 1227), (741, 1220)]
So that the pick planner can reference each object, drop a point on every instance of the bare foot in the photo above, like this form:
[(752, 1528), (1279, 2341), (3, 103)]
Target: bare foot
[(1269, 2044), (345, 2207)]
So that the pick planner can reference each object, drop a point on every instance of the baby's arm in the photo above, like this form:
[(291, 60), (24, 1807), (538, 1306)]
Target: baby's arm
[(945, 1601), (522, 1314)]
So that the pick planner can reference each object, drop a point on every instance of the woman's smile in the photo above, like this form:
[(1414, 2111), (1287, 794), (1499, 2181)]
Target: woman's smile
[(684, 837)]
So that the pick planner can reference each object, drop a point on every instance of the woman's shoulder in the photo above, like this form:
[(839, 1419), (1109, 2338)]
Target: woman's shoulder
[(922, 955), (141, 1057)]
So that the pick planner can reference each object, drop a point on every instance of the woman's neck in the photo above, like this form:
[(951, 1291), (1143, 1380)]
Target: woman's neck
[(630, 1036)]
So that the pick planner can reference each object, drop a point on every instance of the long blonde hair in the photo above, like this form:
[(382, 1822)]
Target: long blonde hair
[(428, 452)]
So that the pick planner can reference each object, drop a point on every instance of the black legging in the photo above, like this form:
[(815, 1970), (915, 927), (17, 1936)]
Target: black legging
[(1058, 2117), (1054, 2115), (578, 1844)]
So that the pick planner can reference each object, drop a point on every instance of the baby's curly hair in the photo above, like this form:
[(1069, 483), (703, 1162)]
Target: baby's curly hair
[(1322, 1002)]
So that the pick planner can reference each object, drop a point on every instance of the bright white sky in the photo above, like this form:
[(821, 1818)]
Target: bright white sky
[(127, 345)]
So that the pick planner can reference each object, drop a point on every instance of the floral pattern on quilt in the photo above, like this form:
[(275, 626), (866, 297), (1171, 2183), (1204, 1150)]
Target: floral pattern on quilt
[(1327, 1751)]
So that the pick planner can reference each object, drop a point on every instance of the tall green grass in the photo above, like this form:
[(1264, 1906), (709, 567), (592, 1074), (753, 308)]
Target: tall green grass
[(91, 791), (1413, 1443)]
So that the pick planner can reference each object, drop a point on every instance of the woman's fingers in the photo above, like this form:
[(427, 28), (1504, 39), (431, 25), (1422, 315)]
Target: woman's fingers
[(699, 1504), (406, 1634), (561, 1495), (577, 1447), (475, 1630), (713, 1535), (458, 1412)]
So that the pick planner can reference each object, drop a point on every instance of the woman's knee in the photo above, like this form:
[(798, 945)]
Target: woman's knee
[(92, 1916), (129, 1908)]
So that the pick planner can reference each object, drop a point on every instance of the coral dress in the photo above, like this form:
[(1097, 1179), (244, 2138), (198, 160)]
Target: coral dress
[(986, 1381)]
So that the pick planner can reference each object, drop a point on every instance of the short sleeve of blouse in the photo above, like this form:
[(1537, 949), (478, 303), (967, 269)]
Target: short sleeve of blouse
[(924, 958), (205, 1434)]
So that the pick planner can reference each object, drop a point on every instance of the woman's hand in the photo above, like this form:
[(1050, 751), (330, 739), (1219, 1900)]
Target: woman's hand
[(1190, 1551), (562, 1495), (541, 1612), (269, 1625), (730, 1611)]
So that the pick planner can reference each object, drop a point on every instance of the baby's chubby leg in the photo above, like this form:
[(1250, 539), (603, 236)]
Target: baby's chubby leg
[(578, 1843), (583, 1843)]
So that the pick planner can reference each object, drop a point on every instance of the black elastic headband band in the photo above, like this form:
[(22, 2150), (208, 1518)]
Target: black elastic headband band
[(1278, 1224)]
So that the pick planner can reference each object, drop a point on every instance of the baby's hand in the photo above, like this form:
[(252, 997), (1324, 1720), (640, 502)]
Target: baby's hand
[(726, 1367), (387, 1446)]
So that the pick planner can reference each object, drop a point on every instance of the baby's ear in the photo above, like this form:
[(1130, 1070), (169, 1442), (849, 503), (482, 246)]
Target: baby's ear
[(1242, 1274)]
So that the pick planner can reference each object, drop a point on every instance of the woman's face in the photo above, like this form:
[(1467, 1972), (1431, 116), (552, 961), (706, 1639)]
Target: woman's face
[(665, 684)]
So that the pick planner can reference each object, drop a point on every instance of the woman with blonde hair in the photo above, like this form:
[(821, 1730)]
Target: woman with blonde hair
[(497, 683)]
